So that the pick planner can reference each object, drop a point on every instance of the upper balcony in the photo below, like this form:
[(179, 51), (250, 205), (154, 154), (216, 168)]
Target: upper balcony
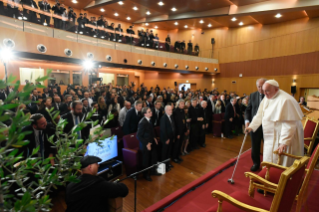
[(29, 36)]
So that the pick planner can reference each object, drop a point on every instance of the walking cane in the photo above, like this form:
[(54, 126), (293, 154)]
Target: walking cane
[(231, 180)]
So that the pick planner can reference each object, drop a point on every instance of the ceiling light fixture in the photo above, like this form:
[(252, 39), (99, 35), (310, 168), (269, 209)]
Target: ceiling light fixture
[(160, 3), (234, 19), (148, 13), (278, 15), (241, 23), (120, 3), (135, 8), (116, 14), (209, 25), (201, 21), (155, 27), (173, 9), (75, 1), (102, 10), (146, 24), (186, 26), (128, 18), (176, 23)]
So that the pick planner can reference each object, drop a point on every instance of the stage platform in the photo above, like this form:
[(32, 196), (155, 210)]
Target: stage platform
[(196, 196)]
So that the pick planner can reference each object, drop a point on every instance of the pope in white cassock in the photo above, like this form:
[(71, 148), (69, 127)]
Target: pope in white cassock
[(280, 116)]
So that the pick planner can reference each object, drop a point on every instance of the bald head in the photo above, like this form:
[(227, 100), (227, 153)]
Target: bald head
[(259, 83), (270, 90)]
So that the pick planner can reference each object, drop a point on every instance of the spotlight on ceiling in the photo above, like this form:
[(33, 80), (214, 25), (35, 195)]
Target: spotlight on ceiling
[(160, 3), (201, 21), (176, 66), (176, 23), (116, 14), (215, 69), (278, 15), (148, 13), (206, 69), (120, 3), (68, 52), (102, 10), (196, 67), (209, 25), (8, 43), (74, 1), (165, 64), (108, 58), (41, 48), (173, 9), (135, 8), (90, 55), (186, 67), (146, 24), (6, 54), (153, 63), (128, 18), (234, 19), (156, 27), (241, 23), (140, 62), (186, 26)]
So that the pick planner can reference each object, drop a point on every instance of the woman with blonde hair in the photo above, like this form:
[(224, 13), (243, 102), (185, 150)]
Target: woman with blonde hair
[(218, 107)]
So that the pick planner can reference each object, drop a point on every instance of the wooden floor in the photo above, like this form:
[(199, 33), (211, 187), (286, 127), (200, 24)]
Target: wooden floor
[(196, 164)]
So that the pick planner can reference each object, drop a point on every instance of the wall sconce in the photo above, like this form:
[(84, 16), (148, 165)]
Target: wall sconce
[(213, 81), (294, 80)]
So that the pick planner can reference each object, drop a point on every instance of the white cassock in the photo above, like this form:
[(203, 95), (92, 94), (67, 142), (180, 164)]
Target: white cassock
[(281, 118)]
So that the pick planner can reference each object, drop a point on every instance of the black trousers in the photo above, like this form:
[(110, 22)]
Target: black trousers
[(57, 23), (194, 136), (167, 46), (167, 149), (13, 12), (256, 138), (177, 147), (228, 127), (202, 137), (149, 157), (189, 51), (46, 19)]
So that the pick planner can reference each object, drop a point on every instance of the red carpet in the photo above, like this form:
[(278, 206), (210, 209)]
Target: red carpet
[(196, 196)]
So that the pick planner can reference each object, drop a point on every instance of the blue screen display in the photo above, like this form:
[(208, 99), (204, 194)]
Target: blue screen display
[(107, 150)]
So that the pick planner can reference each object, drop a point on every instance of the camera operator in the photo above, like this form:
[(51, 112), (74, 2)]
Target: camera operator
[(72, 17), (46, 7), (58, 10), (30, 15), (81, 26)]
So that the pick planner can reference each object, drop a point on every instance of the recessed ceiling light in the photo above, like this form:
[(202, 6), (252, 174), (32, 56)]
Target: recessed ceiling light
[(120, 3), (146, 24), (128, 18), (148, 13), (185, 26), (135, 8), (160, 3), (176, 23), (241, 23), (278, 15), (201, 21), (209, 25), (156, 27), (116, 14), (234, 19), (102, 10), (75, 1), (173, 9)]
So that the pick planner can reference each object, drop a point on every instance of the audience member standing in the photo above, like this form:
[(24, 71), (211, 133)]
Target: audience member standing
[(190, 47), (196, 117), (206, 116), (157, 113), (145, 135), (132, 118), (168, 43), (167, 132), (180, 126), (123, 112), (182, 46), (230, 117)]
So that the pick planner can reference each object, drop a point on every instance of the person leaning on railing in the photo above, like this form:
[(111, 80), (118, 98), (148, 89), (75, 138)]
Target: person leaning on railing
[(46, 7)]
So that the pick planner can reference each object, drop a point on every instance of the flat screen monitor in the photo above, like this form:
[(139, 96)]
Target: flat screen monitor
[(107, 150)]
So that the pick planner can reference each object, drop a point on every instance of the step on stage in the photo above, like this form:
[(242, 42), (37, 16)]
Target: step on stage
[(196, 196)]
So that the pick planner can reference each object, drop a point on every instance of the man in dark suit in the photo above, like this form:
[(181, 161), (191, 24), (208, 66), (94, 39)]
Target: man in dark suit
[(149, 102), (180, 126), (129, 39), (40, 132), (75, 117), (35, 95), (119, 33), (167, 131), (46, 7), (182, 46), (230, 116), (177, 46), (148, 142), (30, 15), (157, 113), (224, 103), (251, 110), (45, 93), (64, 106), (132, 118)]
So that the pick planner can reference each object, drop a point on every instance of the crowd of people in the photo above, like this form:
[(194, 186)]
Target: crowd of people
[(81, 24), (184, 116)]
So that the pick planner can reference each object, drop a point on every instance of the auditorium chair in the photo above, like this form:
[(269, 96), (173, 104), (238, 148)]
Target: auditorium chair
[(310, 133), (217, 125), (271, 172), (119, 133), (286, 191), (131, 153)]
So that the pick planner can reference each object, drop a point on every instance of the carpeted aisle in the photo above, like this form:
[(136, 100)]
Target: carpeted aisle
[(196, 196), (201, 199)]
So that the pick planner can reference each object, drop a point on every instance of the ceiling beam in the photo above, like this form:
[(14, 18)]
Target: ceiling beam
[(188, 15), (99, 3), (273, 6)]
